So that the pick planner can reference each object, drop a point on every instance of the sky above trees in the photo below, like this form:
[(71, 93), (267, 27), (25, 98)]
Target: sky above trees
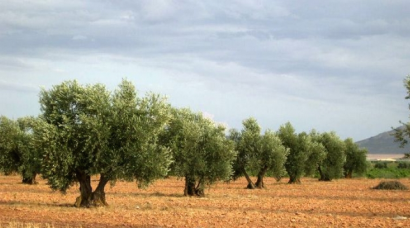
[(328, 65)]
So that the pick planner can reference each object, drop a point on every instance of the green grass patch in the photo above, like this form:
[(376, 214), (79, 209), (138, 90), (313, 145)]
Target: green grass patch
[(388, 173)]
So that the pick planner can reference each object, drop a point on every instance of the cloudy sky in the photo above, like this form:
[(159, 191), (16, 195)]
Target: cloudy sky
[(329, 65)]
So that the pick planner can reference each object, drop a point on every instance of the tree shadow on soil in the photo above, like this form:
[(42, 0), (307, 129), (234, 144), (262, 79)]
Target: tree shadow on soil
[(150, 194), (18, 203)]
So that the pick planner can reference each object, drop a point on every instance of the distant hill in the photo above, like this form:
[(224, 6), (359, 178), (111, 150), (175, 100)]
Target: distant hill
[(383, 144)]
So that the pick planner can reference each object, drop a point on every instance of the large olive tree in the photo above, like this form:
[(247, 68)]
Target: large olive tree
[(88, 131), (201, 152)]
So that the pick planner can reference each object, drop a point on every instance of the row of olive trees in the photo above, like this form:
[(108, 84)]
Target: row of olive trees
[(86, 130), (297, 155)]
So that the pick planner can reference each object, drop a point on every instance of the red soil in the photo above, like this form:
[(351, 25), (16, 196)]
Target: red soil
[(340, 203)]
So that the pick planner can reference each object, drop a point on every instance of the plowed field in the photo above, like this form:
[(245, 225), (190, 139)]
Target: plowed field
[(341, 203)]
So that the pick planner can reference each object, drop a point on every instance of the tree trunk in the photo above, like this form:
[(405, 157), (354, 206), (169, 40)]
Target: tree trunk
[(30, 180), (349, 174), (84, 200), (98, 196), (199, 190), (294, 180), (320, 172), (259, 182), (250, 183), (322, 175), (191, 189), (278, 177)]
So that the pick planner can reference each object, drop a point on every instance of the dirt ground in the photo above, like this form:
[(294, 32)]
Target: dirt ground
[(341, 203)]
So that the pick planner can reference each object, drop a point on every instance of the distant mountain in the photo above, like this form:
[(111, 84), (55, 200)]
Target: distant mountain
[(383, 144)]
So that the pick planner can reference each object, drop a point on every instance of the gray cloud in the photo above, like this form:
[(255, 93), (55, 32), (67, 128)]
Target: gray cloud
[(347, 53), (14, 87)]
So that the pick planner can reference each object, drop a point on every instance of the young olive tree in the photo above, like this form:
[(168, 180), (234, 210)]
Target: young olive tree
[(202, 154), (271, 157), (317, 153), (87, 131), (298, 152), (355, 159), (235, 137), (17, 150), (332, 166), (248, 145)]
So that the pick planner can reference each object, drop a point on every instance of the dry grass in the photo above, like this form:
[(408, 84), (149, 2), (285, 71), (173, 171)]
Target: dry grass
[(342, 203)]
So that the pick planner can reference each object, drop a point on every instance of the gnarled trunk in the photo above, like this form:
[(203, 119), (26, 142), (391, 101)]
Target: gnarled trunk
[(259, 182), (250, 183), (191, 189), (98, 196), (84, 200), (30, 180), (87, 197)]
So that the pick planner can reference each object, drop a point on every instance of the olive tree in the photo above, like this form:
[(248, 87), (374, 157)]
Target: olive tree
[(304, 153), (202, 154), (332, 166), (248, 145), (317, 153), (297, 156), (17, 150), (88, 131), (355, 159), (271, 157), (256, 152)]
